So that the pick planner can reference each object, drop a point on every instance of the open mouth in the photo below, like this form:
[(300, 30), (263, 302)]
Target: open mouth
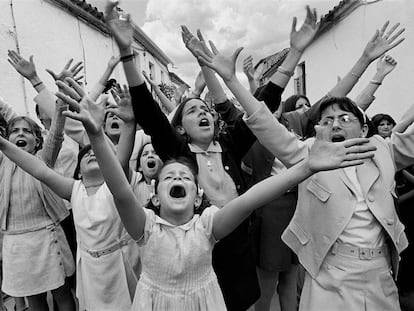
[(204, 122), (338, 138), (115, 125), (21, 143), (151, 163), (177, 192)]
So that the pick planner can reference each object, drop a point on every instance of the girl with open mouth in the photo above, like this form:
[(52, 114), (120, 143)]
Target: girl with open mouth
[(177, 241), (36, 254)]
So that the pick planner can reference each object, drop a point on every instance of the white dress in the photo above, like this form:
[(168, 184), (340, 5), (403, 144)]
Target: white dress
[(177, 272), (107, 257)]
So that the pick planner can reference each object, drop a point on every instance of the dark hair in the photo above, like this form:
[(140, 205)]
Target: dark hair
[(346, 104), (36, 129), (194, 170), (290, 102), (109, 85), (177, 120), (378, 118), (81, 154)]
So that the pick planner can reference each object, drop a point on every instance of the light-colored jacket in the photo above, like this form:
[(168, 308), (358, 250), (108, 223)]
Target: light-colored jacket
[(326, 200)]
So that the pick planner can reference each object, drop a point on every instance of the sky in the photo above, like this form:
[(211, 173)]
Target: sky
[(261, 27)]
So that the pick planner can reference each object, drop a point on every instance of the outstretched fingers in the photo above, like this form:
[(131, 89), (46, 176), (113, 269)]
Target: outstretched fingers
[(74, 104)]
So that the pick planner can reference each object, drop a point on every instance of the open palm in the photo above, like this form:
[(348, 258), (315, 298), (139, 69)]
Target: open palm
[(300, 39)]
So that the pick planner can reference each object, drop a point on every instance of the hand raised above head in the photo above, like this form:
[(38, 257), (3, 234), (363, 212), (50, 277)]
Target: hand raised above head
[(195, 45), (248, 67), (25, 67), (83, 109), (120, 25), (326, 155), (300, 39), (386, 64), (123, 109), (225, 66), (383, 41), (67, 71)]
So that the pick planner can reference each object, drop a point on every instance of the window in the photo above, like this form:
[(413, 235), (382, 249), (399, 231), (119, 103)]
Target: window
[(300, 80)]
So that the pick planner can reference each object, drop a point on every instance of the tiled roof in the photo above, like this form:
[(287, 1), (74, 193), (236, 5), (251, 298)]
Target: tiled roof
[(271, 63), (338, 13), (177, 80)]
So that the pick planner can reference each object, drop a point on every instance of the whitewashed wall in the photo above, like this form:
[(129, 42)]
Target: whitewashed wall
[(53, 36), (335, 52)]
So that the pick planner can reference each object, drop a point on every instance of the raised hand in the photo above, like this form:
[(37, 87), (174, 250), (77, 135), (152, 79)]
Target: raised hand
[(26, 68), (67, 72), (299, 40), (383, 41), (123, 109), (385, 65), (325, 155), (120, 25), (194, 45), (223, 65), (149, 80), (248, 67), (83, 109)]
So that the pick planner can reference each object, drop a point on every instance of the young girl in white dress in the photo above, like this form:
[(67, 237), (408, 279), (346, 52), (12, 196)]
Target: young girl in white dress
[(107, 257), (177, 244)]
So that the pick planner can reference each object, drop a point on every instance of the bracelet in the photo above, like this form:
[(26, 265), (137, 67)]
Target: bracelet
[(355, 75), (284, 71), (37, 84), (375, 82), (127, 58)]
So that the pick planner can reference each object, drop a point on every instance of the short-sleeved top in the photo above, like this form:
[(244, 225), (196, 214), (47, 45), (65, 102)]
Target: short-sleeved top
[(177, 270)]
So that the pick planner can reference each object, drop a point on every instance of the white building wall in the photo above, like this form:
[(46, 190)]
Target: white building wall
[(335, 52), (53, 36)]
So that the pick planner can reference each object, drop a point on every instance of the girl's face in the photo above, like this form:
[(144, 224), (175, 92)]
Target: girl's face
[(22, 135), (176, 192), (385, 128), (113, 125), (302, 103), (88, 162), (197, 121), (150, 163)]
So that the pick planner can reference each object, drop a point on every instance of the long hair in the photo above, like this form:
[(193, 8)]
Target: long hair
[(177, 120), (36, 129)]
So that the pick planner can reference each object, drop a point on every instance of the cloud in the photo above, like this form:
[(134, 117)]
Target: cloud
[(262, 27)]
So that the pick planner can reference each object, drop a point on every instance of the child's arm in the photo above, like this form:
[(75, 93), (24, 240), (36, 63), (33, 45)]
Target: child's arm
[(92, 116), (54, 138), (7, 111), (377, 46), (166, 103), (100, 85), (299, 41), (323, 155), (384, 66), (123, 110), (62, 186), (249, 72), (147, 112)]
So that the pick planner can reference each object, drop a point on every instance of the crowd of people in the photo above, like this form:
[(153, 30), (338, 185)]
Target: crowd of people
[(124, 201)]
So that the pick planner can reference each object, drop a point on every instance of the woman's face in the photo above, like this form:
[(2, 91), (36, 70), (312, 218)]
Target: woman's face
[(197, 121), (385, 128), (22, 135), (342, 124), (150, 163), (302, 104)]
